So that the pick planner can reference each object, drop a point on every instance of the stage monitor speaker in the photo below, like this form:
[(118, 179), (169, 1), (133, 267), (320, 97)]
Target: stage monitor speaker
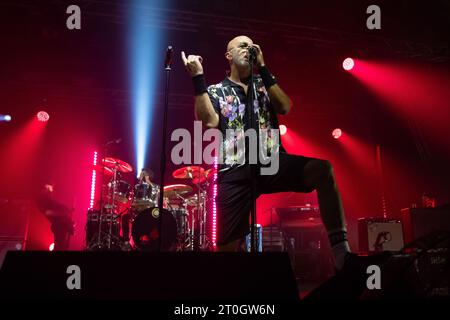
[(379, 234), (405, 276), (10, 244), (185, 276), (418, 222), (399, 281)]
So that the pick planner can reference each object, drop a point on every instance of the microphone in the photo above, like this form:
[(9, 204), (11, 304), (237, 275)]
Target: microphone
[(168, 60), (252, 53)]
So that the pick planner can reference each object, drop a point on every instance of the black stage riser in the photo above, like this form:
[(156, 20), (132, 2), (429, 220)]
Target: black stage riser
[(185, 276)]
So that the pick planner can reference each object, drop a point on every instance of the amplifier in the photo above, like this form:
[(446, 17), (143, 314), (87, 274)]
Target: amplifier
[(380, 234), (273, 239), (419, 222), (299, 216)]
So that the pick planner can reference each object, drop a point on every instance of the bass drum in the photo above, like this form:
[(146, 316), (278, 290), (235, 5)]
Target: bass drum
[(145, 230)]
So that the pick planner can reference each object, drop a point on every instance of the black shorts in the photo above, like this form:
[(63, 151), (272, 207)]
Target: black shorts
[(234, 201)]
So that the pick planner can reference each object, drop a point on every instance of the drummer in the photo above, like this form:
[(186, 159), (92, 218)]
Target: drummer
[(146, 176)]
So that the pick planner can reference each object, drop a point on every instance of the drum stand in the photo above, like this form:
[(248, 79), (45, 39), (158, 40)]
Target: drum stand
[(102, 236), (203, 241)]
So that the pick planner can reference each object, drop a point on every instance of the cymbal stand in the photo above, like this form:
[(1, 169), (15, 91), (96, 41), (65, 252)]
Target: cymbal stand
[(191, 236), (100, 216), (113, 207), (108, 216), (203, 239), (185, 239), (99, 243)]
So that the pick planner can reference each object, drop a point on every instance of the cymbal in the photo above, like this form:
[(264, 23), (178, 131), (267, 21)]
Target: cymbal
[(207, 175), (173, 190), (189, 172), (107, 171), (121, 165)]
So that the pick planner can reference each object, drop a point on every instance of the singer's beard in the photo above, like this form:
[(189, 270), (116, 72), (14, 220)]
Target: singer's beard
[(243, 66), (242, 63)]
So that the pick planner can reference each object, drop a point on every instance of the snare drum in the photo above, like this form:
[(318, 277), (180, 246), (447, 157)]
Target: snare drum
[(145, 191), (145, 196), (142, 191)]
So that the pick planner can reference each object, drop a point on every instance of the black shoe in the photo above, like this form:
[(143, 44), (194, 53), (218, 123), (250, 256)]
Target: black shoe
[(349, 283)]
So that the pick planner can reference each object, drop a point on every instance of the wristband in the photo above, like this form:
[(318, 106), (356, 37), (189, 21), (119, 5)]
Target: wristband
[(199, 84), (267, 78)]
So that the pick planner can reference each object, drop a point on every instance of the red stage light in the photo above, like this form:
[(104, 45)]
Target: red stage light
[(43, 116), (93, 182), (283, 129), (348, 64), (214, 215), (337, 133)]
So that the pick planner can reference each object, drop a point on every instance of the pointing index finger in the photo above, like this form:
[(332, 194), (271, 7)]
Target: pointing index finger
[(183, 56)]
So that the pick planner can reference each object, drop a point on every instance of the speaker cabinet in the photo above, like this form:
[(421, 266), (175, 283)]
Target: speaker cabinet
[(419, 222)]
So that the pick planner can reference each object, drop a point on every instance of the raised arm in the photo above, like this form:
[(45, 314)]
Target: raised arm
[(204, 110), (278, 98)]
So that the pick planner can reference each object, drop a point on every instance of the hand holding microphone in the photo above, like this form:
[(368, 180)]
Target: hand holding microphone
[(256, 52)]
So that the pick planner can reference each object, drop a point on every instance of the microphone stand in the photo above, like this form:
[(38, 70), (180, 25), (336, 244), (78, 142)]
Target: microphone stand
[(253, 167), (163, 149)]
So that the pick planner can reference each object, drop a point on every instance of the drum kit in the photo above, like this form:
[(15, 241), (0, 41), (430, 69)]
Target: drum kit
[(179, 226)]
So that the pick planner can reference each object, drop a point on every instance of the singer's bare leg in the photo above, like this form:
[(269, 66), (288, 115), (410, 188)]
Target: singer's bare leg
[(303, 174), (318, 174)]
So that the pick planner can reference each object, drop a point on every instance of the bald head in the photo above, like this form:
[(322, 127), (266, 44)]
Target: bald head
[(237, 41)]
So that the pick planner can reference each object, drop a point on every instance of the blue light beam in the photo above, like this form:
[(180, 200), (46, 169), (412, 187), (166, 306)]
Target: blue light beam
[(144, 47)]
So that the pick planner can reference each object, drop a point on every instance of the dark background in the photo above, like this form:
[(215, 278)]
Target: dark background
[(81, 78)]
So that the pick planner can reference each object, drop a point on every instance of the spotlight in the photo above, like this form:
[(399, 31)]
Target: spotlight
[(51, 247), (283, 129), (5, 117), (348, 64), (337, 133), (43, 116), (145, 47)]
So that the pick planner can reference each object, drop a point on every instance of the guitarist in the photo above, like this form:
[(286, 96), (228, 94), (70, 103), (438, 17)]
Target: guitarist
[(59, 215)]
